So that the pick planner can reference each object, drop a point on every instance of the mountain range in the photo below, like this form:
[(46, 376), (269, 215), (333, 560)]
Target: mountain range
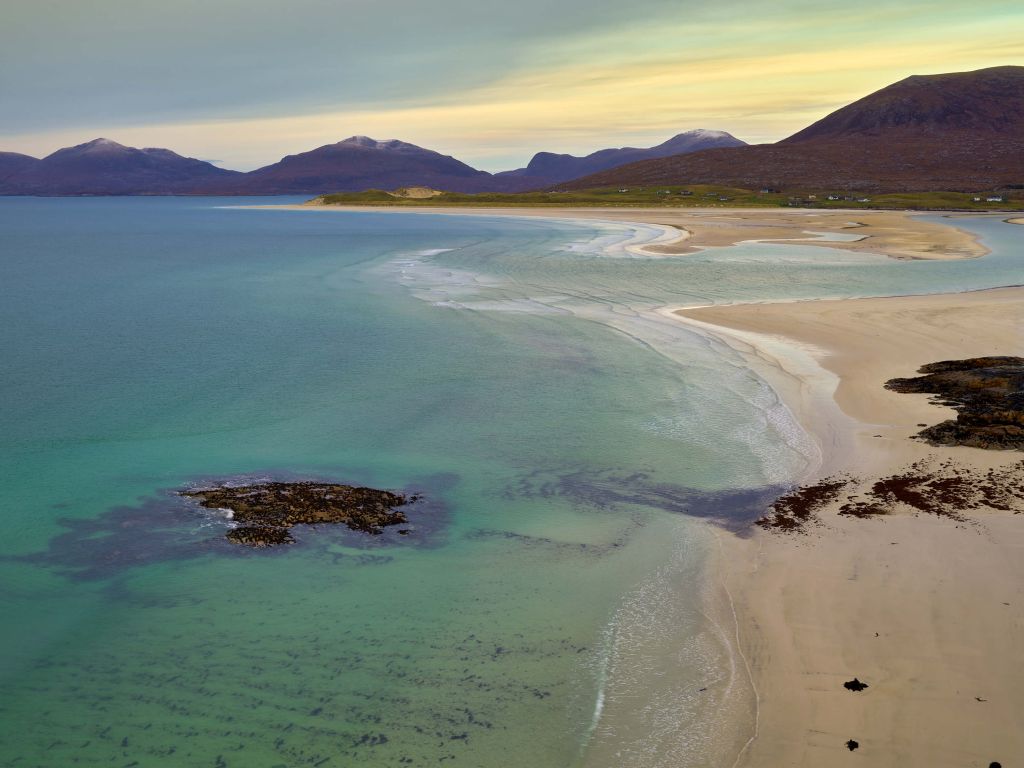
[(548, 168), (104, 167), (957, 132)]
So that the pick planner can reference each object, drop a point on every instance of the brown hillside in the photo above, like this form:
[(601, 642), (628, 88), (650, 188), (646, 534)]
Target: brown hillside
[(962, 131)]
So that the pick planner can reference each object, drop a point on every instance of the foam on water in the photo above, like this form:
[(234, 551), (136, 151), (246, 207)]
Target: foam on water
[(671, 691), (624, 241), (431, 251)]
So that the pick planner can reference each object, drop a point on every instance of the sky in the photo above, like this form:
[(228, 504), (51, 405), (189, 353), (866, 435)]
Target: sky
[(242, 83)]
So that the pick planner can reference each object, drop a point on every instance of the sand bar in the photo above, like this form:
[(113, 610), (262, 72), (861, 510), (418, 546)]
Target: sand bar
[(897, 234), (845, 350), (929, 611)]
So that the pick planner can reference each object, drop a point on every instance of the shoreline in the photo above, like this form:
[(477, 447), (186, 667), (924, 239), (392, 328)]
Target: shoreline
[(896, 234), (812, 612), (941, 594)]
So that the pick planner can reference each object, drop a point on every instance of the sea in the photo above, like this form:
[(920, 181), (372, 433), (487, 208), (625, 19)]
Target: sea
[(578, 455)]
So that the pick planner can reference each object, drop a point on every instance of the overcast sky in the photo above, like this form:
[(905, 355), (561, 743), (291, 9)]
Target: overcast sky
[(243, 82)]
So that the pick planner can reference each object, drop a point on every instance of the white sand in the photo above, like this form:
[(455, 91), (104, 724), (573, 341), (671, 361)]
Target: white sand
[(946, 599)]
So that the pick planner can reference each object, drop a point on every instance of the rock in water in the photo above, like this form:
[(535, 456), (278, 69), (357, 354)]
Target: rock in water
[(268, 511), (259, 536), (987, 394)]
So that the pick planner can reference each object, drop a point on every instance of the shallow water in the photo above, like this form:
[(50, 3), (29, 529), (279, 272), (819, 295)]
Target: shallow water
[(567, 440)]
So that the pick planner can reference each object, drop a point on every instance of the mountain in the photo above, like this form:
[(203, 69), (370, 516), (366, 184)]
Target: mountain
[(356, 164), (360, 163), (987, 101), (960, 132), (549, 168), (12, 163), (104, 167)]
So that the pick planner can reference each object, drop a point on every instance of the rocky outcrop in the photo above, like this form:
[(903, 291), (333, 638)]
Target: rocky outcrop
[(987, 394), (259, 536), (266, 512)]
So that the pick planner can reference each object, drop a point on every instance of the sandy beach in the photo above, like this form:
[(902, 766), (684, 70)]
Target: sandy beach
[(925, 609), (898, 234)]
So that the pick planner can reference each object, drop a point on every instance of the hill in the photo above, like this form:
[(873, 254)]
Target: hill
[(104, 167), (548, 168), (958, 132), (355, 164), (12, 163)]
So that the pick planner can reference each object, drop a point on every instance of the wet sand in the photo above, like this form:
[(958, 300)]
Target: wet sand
[(898, 234), (925, 609)]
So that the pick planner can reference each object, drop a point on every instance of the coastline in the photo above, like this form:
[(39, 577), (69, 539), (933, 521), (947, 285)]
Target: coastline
[(924, 609), (897, 234), (807, 609)]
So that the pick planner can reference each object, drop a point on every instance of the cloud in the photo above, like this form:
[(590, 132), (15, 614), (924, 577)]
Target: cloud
[(577, 78)]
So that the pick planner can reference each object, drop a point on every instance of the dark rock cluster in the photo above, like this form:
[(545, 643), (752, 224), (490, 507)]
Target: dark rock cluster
[(259, 536), (266, 512), (987, 393)]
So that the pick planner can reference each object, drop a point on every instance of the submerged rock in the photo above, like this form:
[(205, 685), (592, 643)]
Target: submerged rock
[(268, 511), (986, 392), (259, 536)]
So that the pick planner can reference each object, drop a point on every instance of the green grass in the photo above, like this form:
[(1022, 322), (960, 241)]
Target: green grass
[(701, 196)]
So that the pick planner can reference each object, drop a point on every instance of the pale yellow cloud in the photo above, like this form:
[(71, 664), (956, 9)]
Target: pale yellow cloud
[(600, 94)]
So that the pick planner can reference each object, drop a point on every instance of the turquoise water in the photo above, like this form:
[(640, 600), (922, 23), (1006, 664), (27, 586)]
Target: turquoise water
[(550, 607)]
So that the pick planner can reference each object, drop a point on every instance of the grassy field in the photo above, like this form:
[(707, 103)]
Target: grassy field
[(694, 196)]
